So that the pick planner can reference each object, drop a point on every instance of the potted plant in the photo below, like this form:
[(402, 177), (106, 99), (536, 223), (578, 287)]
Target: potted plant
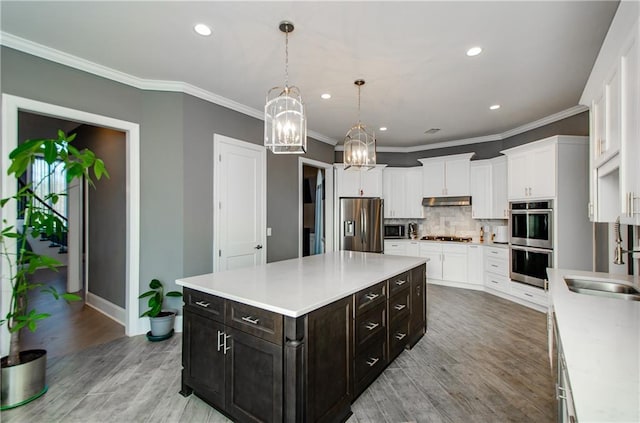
[(24, 372), (161, 321)]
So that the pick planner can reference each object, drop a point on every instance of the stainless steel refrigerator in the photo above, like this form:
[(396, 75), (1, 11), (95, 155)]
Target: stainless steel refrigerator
[(361, 224)]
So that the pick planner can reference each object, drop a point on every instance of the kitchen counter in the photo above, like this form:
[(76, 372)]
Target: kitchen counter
[(488, 244), (298, 286), (601, 342)]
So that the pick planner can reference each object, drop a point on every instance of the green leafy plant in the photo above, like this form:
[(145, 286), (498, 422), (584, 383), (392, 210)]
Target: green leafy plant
[(39, 218), (156, 298)]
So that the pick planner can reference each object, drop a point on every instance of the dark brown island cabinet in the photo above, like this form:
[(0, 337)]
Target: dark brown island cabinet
[(255, 365)]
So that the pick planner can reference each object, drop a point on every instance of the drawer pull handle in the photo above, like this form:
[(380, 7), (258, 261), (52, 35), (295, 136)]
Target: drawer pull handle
[(494, 265), (372, 326), (494, 252), (372, 361), (399, 306), (203, 304), (251, 319), (372, 296), (400, 282), (494, 281), (400, 336), (528, 295)]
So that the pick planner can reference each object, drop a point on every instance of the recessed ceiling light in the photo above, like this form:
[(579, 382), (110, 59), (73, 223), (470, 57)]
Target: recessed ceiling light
[(474, 51), (326, 96), (383, 128), (202, 29), (495, 107)]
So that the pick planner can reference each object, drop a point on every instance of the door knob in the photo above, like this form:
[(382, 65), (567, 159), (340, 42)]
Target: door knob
[(258, 247)]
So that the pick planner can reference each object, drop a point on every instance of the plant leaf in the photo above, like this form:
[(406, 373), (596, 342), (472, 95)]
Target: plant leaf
[(174, 294), (146, 294), (155, 284)]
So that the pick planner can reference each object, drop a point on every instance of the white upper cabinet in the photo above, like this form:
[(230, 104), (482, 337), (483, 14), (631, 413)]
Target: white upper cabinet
[(612, 92), (446, 176), (358, 183), (488, 179), (532, 171), (402, 188)]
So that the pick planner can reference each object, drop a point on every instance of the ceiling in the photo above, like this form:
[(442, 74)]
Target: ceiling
[(535, 62)]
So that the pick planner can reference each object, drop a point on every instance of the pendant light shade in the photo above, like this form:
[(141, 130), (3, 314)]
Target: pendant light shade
[(359, 143), (285, 122)]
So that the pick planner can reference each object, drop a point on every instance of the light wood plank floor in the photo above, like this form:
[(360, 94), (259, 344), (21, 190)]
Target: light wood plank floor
[(482, 360)]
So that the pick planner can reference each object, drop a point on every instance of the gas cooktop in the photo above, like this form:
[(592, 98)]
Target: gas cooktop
[(446, 238)]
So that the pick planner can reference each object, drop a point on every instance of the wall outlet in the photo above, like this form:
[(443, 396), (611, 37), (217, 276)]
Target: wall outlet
[(268, 231)]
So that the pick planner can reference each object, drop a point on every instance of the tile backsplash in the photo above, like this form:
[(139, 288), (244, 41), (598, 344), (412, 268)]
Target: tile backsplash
[(450, 221)]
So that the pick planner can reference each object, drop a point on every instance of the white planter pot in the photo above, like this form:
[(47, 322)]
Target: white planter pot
[(162, 324)]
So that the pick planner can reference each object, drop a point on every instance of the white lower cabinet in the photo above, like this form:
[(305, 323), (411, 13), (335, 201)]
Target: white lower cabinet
[(496, 269), (475, 265), (447, 262), (402, 247)]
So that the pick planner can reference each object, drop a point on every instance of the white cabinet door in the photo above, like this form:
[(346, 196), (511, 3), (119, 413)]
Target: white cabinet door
[(433, 179), (413, 193), (517, 183), (413, 249), (542, 172), (611, 146), (433, 252), (630, 133), (395, 248), (499, 199), (393, 192), (598, 127), (475, 268), (454, 263), (371, 182), (480, 175), (457, 177), (347, 182)]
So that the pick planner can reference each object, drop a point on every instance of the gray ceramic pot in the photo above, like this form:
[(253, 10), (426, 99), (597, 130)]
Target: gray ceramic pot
[(162, 324)]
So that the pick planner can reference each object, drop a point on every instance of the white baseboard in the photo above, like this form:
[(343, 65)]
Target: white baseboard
[(112, 311), (515, 299)]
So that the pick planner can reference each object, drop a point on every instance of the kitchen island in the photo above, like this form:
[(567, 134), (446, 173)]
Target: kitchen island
[(299, 340)]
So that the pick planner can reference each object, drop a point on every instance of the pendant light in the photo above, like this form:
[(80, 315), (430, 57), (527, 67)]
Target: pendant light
[(359, 144), (285, 123)]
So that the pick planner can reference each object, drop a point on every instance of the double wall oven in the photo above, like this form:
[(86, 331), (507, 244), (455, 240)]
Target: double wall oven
[(531, 241)]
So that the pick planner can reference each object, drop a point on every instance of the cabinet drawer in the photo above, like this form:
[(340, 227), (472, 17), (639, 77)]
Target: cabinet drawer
[(204, 304), (529, 293), (499, 253), (400, 305), (398, 337), (369, 362), (398, 283), (497, 266), (370, 324), (370, 297), (497, 282), (255, 321)]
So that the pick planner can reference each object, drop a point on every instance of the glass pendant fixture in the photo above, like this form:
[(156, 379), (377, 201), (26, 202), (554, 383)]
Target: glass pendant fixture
[(359, 144), (285, 123)]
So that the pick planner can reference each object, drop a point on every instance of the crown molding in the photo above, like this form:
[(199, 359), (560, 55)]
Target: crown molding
[(57, 56), (79, 63)]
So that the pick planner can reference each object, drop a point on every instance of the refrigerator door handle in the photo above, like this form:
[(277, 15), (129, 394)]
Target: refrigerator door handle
[(363, 224)]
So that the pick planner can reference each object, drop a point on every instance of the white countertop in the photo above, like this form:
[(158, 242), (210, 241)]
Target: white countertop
[(298, 286), (487, 243), (601, 342)]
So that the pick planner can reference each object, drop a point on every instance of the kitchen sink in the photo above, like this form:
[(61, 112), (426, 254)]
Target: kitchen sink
[(603, 287)]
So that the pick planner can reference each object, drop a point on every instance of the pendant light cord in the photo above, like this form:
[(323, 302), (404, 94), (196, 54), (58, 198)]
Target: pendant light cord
[(359, 86), (286, 59)]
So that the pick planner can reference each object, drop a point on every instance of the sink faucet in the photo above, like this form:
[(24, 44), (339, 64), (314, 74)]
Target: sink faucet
[(618, 252)]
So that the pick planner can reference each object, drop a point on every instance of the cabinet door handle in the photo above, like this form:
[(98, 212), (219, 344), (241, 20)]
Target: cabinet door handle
[(399, 306), (494, 265), (250, 319), (225, 343), (528, 295), (203, 304), (220, 334), (400, 282), (372, 361), (560, 392), (372, 296), (491, 280), (372, 325)]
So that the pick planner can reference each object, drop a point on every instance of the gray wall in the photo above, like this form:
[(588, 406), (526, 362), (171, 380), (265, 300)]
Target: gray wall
[(176, 169), (573, 125), (107, 214)]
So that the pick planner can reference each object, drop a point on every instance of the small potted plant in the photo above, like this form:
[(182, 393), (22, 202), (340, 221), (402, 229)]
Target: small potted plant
[(161, 321)]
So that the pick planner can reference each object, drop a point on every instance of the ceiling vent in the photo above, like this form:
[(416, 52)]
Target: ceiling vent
[(431, 131)]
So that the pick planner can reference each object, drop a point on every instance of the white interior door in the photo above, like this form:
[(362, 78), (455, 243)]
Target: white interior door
[(239, 209)]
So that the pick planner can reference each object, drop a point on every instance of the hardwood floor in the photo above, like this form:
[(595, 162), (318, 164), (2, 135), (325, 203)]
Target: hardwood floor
[(483, 360), (72, 326)]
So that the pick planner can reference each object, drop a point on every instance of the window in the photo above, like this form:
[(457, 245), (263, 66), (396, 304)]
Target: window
[(54, 180)]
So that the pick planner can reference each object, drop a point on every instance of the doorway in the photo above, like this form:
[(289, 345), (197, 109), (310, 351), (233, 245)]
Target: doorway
[(11, 106), (315, 207)]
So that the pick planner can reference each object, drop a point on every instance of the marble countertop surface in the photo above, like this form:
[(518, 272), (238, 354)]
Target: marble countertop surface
[(298, 286), (487, 243), (601, 342)]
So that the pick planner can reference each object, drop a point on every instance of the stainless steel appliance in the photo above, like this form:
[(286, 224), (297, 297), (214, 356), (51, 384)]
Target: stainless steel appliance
[(394, 231), (361, 224), (532, 223), (531, 241)]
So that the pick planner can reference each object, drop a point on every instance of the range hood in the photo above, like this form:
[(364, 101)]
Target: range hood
[(464, 200)]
